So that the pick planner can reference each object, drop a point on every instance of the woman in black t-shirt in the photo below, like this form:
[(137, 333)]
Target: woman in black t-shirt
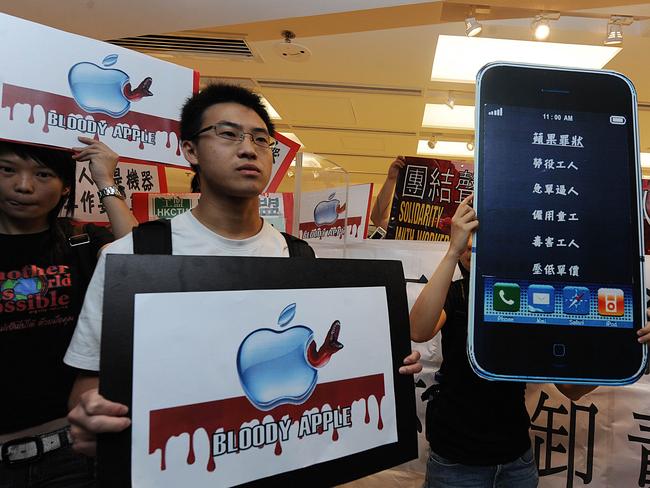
[(477, 429), (45, 265)]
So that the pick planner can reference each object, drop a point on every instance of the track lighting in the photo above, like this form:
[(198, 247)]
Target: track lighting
[(472, 27), (615, 29), (451, 101), (541, 28)]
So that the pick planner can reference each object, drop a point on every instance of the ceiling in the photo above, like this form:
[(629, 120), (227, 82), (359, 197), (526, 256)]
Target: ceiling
[(359, 98)]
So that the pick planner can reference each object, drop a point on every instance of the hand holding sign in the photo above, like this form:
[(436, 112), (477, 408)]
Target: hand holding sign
[(103, 160)]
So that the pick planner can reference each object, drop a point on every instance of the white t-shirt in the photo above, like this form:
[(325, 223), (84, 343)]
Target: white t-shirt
[(189, 238)]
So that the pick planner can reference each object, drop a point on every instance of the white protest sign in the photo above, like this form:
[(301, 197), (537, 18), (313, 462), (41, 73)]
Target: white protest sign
[(323, 213), (56, 86), (283, 153), (257, 401)]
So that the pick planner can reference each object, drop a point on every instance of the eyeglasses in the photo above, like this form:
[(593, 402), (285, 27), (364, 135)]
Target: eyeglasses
[(234, 134)]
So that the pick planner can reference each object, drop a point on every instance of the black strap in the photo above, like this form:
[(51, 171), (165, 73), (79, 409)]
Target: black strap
[(80, 246), (155, 237), (298, 247)]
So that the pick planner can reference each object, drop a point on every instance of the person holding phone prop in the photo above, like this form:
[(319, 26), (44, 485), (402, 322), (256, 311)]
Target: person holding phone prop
[(477, 429), (380, 214)]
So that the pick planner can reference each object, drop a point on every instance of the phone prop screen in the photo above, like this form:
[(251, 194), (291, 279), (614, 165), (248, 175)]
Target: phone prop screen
[(557, 265)]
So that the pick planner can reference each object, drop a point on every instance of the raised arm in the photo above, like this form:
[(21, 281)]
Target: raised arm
[(427, 315), (102, 168), (381, 209)]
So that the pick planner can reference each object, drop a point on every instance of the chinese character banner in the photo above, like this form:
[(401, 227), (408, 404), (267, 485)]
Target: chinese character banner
[(275, 208), (130, 177), (426, 196)]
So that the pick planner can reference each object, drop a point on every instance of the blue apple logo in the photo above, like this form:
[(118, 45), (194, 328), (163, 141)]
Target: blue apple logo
[(278, 367), (327, 211), (104, 90)]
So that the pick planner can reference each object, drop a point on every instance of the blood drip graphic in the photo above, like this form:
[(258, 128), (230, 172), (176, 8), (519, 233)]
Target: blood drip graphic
[(231, 413), (13, 95)]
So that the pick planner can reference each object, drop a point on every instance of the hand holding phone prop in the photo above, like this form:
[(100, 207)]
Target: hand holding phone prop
[(557, 279)]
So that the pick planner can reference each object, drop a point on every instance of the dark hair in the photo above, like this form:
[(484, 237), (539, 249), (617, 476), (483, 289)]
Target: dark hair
[(60, 161), (195, 184), (195, 106)]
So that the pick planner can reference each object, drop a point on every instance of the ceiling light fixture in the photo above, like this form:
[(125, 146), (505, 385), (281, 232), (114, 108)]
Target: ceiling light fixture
[(470, 145), (472, 27), (451, 149), (541, 28), (432, 142), (476, 52), (615, 29), (451, 101), (614, 34), (438, 115)]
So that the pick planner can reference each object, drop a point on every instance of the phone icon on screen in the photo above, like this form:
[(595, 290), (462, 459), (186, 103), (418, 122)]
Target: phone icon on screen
[(506, 297)]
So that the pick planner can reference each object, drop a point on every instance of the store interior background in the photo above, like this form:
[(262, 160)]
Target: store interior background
[(357, 96)]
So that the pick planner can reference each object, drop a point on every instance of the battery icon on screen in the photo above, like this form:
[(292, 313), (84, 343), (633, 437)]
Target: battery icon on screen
[(617, 120)]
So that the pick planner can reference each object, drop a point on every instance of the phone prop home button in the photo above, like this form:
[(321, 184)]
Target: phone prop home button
[(559, 350)]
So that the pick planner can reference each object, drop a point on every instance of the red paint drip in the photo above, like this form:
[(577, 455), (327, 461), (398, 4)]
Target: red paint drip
[(12, 94), (335, 435), (366, 419), (96, 136), (310, 227), (211, 466), (168, 144), (178, 148), (190, 455), (31, 114), (232, 413), (46, 128), (380, 422), (141, 146)]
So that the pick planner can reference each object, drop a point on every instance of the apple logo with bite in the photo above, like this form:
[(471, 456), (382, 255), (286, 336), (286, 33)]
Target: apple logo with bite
[(327, 211), (279, 367), (105, 90)]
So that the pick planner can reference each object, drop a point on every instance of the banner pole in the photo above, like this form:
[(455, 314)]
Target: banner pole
[(297, 191)]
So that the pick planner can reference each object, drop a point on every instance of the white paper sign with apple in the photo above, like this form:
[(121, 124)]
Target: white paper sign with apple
[(56, 86), (291, 381), (331, 213)]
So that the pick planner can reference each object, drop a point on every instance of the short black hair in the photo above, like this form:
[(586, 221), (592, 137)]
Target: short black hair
[(58, 160), (196, 105)]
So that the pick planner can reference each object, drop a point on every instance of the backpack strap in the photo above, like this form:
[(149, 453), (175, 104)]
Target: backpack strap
[(298, 247), (153, 237)]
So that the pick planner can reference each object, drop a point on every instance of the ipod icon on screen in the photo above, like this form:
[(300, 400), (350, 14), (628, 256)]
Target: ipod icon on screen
[(611, 302)]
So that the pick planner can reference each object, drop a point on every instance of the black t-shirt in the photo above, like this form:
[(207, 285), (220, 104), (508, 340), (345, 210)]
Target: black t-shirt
[(474, 421), (40, 300)]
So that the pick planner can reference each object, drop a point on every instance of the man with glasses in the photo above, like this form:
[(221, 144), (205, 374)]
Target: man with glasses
[(227, 138)]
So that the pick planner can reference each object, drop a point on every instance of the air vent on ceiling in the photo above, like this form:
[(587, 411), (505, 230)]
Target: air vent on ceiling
[(188, 45)]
